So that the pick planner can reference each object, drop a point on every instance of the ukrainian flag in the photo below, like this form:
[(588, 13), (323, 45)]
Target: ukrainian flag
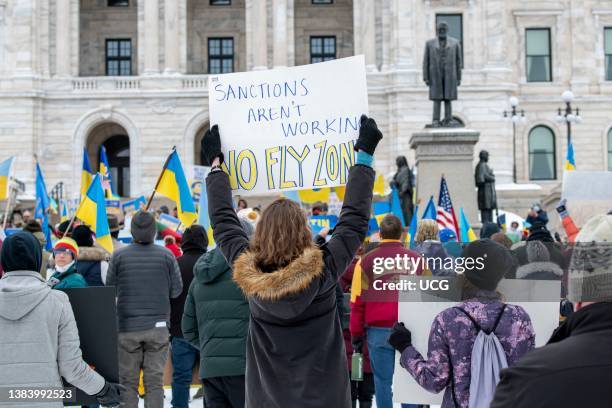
[(86, 174), (570, 163), (467, 233), (92, 211), (313, 195), (173, 184), (105, 170), (6, 169)]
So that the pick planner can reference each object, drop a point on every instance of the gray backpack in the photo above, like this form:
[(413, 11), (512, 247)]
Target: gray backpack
[(488, 359)]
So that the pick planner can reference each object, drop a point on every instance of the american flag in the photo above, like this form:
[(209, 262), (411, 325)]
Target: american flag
[(446, 213)]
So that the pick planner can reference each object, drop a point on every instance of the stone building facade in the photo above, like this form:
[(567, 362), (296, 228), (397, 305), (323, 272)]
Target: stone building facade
[(62, 89)]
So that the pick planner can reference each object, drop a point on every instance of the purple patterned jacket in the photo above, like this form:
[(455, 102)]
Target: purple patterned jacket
[(450, 343)]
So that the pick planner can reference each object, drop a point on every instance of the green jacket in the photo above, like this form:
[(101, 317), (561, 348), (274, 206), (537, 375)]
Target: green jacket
[(216, 318), (69, 279)]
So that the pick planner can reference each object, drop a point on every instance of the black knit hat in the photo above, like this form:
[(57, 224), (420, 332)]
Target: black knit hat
[(21, 252), (83, 236), (491, 262), (143, 227)]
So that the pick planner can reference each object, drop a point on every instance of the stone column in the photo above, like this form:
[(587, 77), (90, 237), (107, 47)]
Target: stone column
[(151, 37), (282, 22), (62, 38), (256, 34), (172, 42), (364, 31)]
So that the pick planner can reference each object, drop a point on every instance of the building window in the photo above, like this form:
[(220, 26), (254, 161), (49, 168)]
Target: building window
[(537, 42), (542, 154), (220, 55), (610, 150), (608, 52), (455, 27), (118, 154), (322, 49), (220, 2), (119, 57), (322, 1), (118, 3)]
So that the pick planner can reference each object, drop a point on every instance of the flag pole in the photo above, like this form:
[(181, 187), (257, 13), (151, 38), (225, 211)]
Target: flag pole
[(8, 205), (159, 179), (69, 225)]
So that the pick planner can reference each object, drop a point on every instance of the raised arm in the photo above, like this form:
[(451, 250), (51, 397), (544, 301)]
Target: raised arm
[(227, 231), (352, 227)]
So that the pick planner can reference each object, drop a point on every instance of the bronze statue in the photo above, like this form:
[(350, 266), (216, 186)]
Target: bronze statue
[(442, 73), (485, 181), (404, 183)]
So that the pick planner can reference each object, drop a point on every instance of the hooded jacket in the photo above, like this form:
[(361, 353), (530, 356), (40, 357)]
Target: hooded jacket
[(295, 350), (216, 318), (194, 246), (68, 279), (146, 276), (572, 370), (38, 334), (92, 264)]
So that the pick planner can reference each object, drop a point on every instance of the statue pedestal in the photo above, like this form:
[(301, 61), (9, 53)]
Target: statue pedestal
[(448, 152)]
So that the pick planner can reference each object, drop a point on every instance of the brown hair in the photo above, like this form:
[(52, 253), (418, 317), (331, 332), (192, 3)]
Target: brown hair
[(391, 227), (426, 230), (502, 238), (282, 234)]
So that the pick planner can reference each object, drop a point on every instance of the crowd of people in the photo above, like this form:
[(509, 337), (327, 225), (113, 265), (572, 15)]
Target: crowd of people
[(273, 316)]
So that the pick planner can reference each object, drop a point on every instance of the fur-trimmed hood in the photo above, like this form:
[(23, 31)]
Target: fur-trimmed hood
[(93, 254), (549, 268), (272, 286)]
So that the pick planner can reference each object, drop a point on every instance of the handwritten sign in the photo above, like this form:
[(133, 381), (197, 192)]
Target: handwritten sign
[(289, 128), (319, 222)]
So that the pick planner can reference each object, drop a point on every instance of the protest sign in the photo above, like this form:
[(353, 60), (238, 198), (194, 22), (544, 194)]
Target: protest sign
[(169, 221), (197, 182), (96, 319), (319, 222), (588, 193), (418, 317), (289, 128), (134, 205)]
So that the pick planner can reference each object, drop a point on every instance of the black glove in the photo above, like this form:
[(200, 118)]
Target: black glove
[(400, 337), (369, 135), (211, 146), (110, 394), (357, 343)]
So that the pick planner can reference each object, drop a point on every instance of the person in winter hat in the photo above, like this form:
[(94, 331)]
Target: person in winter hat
[(573, 369), (184, 355), (453, 333), (92, 260), (146, 276), (539, 266), (488, 229), (64, 273), (170, 244), (38, 334), (427, 244), (448, 238), (290, 284), (35, 228), (215, 321)]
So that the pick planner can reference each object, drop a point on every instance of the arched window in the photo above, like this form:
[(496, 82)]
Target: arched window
[(610, 150), (115, 140), (542, 155)]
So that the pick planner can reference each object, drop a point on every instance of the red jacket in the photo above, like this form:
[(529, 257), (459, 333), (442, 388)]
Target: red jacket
[(367, 313)]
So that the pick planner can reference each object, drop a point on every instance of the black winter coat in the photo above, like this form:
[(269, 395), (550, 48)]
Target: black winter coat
[(573, 370), (186, 262), (295, 352)]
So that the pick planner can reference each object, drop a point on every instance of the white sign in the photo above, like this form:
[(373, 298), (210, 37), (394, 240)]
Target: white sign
[(588, 193), (289, 128), (418, 317)]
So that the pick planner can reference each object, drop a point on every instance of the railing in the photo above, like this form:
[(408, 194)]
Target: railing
[(135, 83)]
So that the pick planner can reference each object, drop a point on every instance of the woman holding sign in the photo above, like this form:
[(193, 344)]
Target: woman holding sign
[(294, 352)]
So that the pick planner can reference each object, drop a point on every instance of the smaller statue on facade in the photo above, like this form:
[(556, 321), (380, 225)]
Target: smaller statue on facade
[(403, 181), (485, 182)]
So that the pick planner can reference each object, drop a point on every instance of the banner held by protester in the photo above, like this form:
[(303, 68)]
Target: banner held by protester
[(289, 128)]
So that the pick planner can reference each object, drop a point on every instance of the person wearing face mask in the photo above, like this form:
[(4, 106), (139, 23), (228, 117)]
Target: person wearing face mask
[(65, 273)]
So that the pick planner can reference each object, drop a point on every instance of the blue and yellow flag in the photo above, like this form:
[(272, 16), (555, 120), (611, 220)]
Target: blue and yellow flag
[(413, 225), (107, 182), (570, 163), (173, 184), (311, 196), (86, 174), (92, 211), (6, 169), (467, 233), (430, 212), (43, 202), (396, 206)]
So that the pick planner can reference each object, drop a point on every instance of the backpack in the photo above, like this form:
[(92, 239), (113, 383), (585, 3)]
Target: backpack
[(488, 359)]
